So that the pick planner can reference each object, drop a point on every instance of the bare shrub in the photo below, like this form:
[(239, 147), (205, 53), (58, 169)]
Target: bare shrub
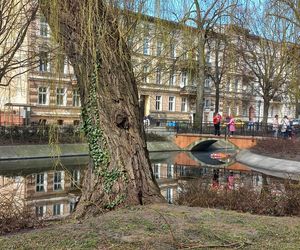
[(284, 202), (15, 215)]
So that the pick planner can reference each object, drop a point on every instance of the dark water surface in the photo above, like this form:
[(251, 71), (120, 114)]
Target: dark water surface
[(52, 188)]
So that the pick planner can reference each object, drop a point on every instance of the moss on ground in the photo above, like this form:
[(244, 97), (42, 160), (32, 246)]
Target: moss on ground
[(163, 227)]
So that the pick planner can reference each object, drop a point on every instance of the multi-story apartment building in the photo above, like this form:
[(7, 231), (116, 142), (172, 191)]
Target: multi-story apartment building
[(165, 63), (52, 91)]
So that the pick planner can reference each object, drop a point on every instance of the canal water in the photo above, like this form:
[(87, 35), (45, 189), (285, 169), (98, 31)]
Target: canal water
[(52, 188)]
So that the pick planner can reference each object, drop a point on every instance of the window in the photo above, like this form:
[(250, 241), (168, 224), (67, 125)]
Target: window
[(57, 209), (184, 53), (76, 98), (43, 26), (183, 104), (236, 85), (183, 78), (72, 206), (206, 103), (75, 178), (159, 47), (228, 86), (158, 76), (58, 180), (60, 96), (44, 65), (40, 211), (158, 105), (146, 72), (76, 122), (170, 171), (40, 183), (207, 83), (60, 122), (171, 103), (156, 171), (169, 195), (173, 50), (207, 57), (172, 79), (146, 46), (43, 95)]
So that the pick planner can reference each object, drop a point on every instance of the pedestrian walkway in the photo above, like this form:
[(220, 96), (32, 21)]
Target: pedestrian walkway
[(268, 165)]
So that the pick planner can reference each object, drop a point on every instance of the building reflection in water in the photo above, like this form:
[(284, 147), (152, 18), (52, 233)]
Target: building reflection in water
[(53, 193), (50, 193)]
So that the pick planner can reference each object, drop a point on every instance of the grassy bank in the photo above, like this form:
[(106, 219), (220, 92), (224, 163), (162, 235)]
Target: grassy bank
[(164, 227)]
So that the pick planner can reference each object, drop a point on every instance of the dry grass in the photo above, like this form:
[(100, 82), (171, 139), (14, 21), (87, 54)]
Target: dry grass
[(163, 227)]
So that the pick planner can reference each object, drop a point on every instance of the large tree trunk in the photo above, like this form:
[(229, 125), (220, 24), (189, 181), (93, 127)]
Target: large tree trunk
[(266, 111), (120, 172)]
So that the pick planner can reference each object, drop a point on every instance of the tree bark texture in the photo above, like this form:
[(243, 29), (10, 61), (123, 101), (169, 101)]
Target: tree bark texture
[(120, 171)]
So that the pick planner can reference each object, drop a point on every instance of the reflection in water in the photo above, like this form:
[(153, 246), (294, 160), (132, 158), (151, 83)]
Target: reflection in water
[(53, 193), (50, 193)]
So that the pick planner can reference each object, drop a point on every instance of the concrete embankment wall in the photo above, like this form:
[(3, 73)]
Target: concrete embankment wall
[(23, 152)]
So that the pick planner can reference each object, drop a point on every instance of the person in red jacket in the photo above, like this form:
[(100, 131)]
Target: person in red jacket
[(217, 122)]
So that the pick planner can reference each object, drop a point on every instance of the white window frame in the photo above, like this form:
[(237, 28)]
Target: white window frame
[(156, 170), (40, 211), (44, 94), (61, 96), (76, 98), (172, 79), (43, 26), (172, 103), (44, 61), (184, 104), (158, 76), (146, 46), (184, 79), (58, 185), (41, 186), (75, 178), (208, 57), (207, 83), (170, 171), (159, 47), (169, 195), (173, 50), (158, 103), (206, 103), (146, 74), (58, 209)]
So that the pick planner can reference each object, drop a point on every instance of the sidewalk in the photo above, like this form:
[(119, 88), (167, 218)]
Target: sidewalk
[(270, 166)]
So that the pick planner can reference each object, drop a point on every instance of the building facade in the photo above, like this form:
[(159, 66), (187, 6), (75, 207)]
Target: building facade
[(165, 61)]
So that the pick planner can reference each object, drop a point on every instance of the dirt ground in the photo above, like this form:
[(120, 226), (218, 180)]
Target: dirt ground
[(279, 148), (163, 226)]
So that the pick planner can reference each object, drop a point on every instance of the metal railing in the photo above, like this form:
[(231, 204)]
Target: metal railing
[(40, 134), (241, 128)]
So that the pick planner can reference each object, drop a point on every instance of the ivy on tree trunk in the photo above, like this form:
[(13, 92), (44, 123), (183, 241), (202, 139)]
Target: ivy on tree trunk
[(120, 171)]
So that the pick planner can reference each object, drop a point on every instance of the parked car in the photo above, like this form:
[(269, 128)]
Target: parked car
[(296, 122)]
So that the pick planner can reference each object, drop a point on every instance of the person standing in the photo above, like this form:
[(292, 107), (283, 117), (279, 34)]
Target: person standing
[(231, 125), (275, 126), (230, 181), (217, 122), (285, 123)]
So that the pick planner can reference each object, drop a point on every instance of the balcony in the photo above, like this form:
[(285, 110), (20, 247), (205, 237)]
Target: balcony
[(188, 90)]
